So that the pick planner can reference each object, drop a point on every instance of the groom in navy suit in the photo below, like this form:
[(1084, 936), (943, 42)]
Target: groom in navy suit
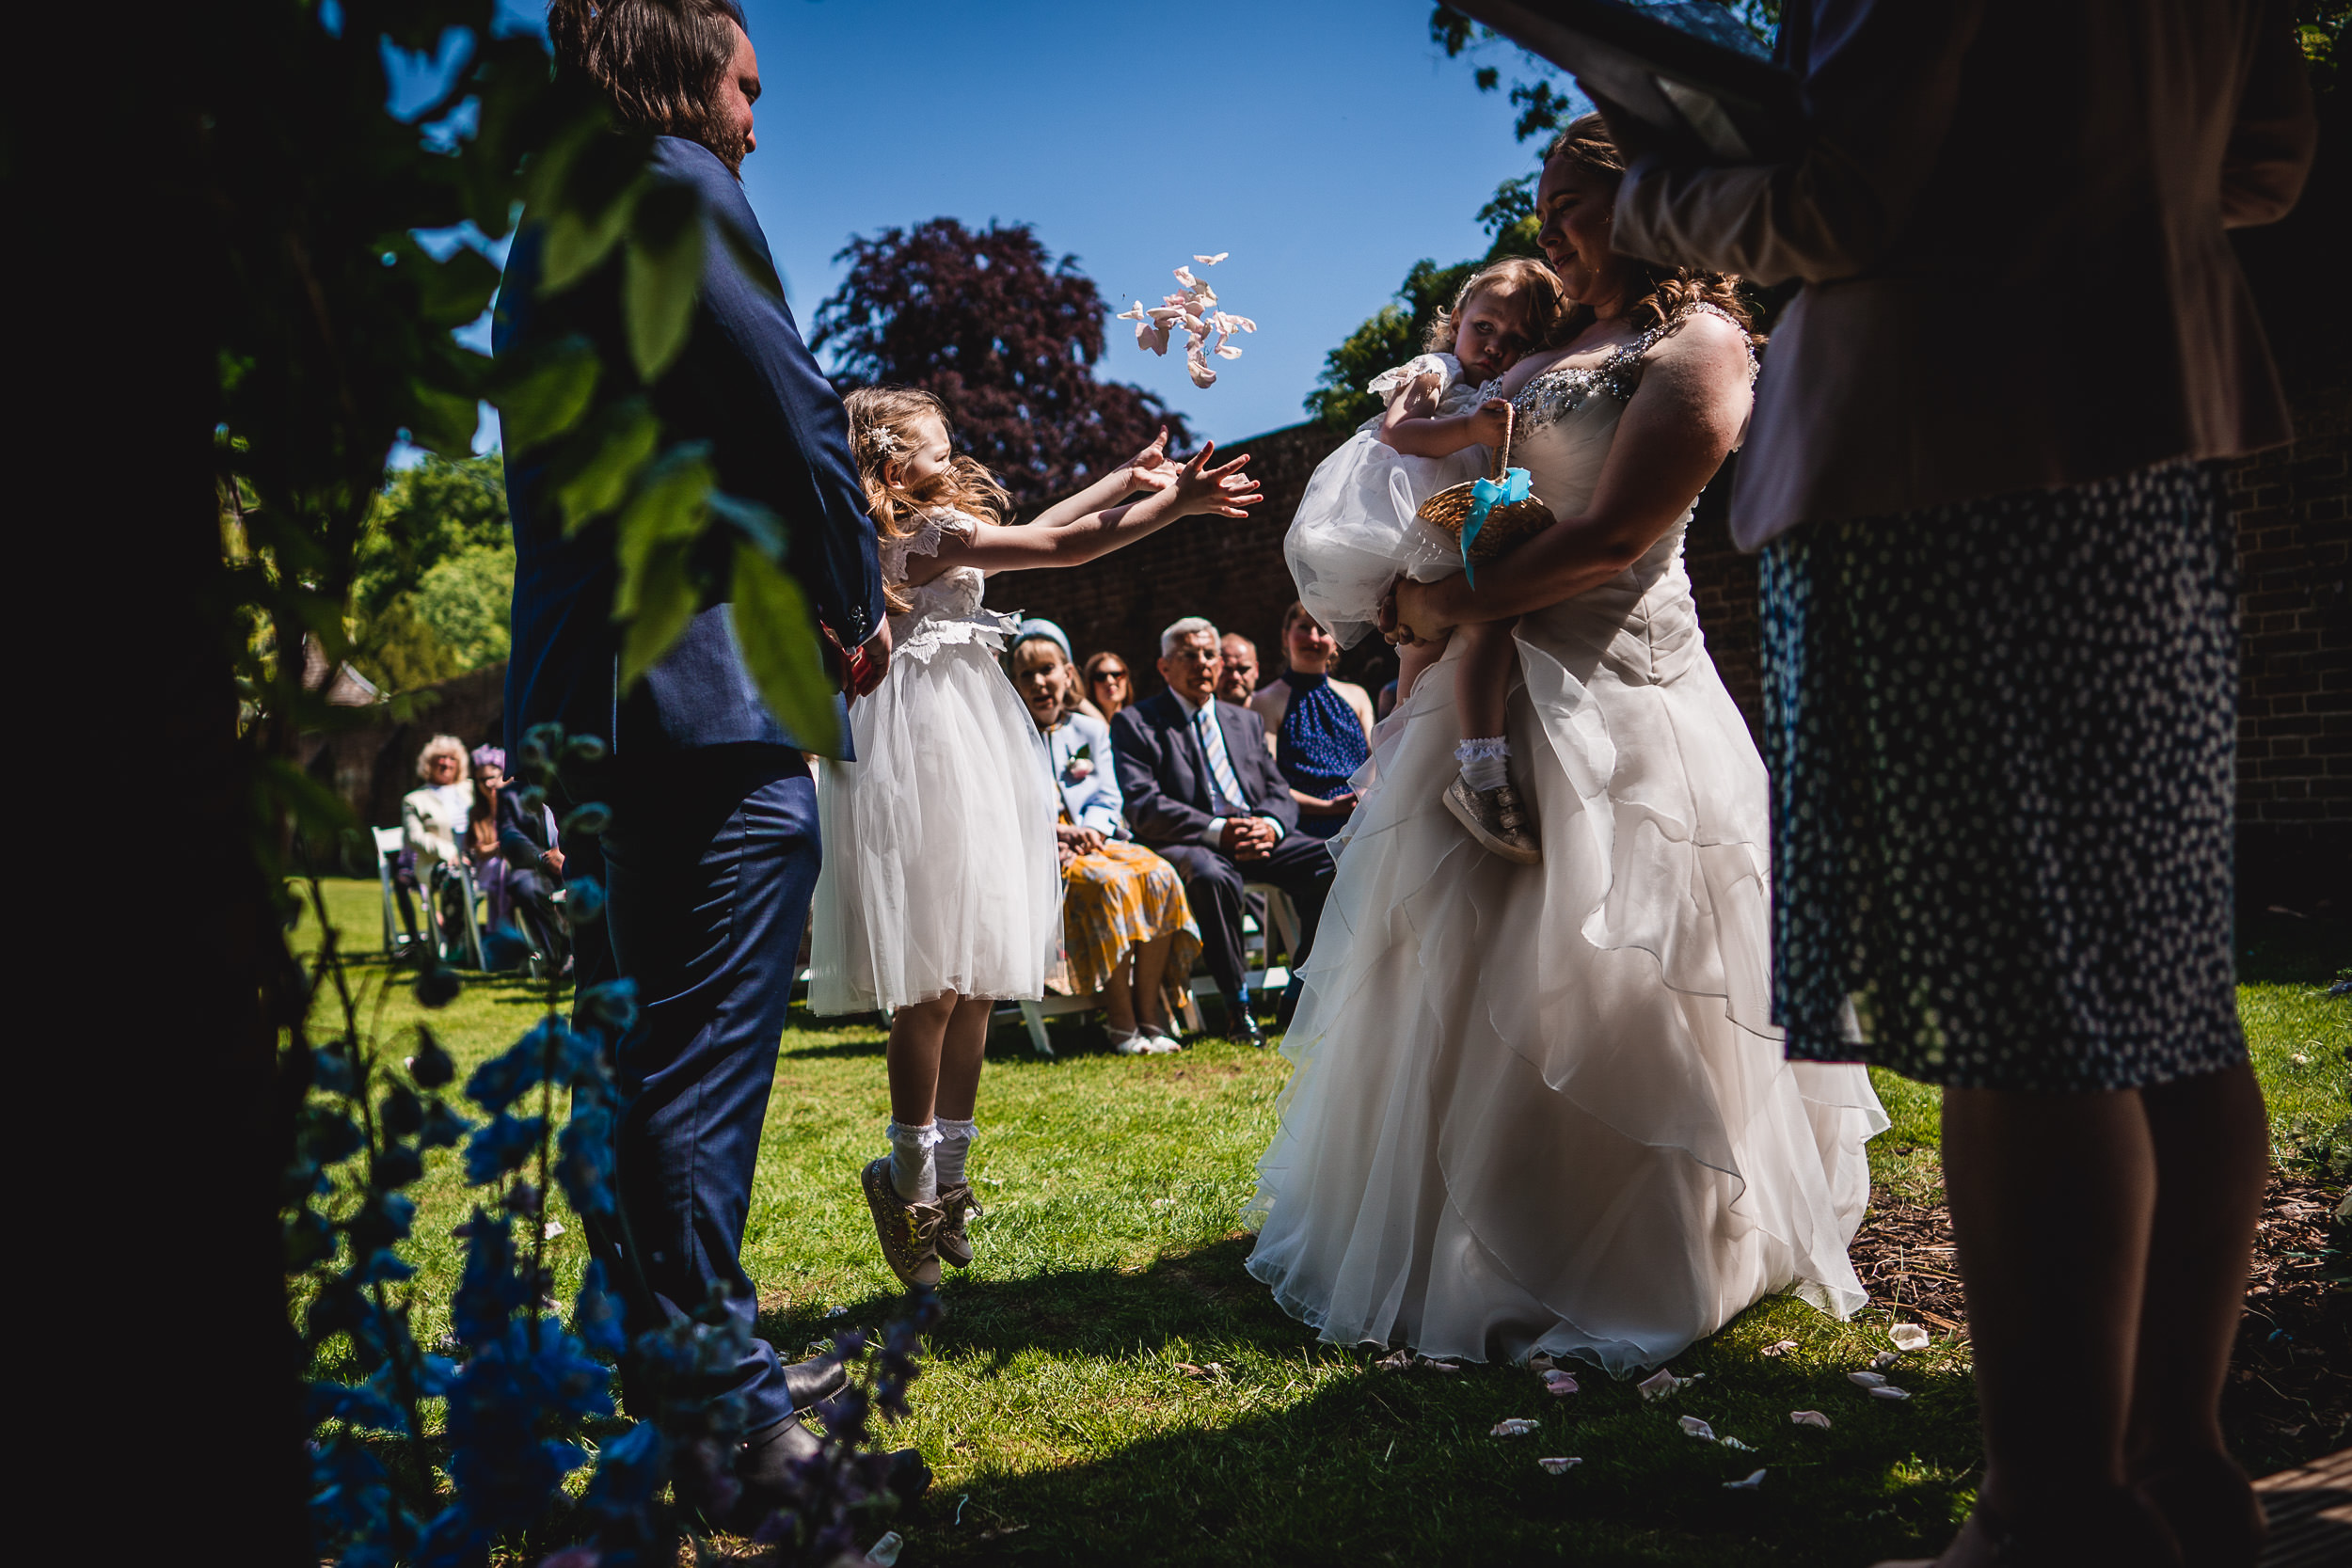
[(713, 850), (1203, 793)]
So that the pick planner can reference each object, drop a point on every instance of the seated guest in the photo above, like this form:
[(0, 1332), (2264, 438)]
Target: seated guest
[(530, 843), (481, 842), (1201, 789), (1109, 687), (1121, 904), (1321, 727), (431, 817), (1238, 682)]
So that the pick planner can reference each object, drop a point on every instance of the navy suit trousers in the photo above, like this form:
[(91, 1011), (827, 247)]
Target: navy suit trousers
[(1299, 865), (711, 860)]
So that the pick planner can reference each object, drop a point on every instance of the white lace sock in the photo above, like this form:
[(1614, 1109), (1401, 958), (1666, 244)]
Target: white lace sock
[(955, 1142), (914, 1168), (1484, 762)]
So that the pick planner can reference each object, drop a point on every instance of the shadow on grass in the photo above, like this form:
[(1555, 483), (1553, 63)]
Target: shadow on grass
[(1371, 1467)]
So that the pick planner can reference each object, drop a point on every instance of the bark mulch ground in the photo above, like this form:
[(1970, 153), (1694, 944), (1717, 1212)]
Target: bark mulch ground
[(2289, 1398)]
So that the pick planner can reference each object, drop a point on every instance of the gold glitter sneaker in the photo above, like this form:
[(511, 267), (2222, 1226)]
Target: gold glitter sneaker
[(909, 1232), (955, 1203), (1497, 818)]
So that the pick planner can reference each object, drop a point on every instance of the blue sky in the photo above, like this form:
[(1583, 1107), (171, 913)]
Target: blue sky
[(1325, 145)]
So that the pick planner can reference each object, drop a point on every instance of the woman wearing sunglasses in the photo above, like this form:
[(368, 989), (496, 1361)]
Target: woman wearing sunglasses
[(1109, 687)]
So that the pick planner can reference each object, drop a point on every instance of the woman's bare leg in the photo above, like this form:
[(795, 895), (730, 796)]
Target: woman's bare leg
[(2053, 1197), (2212, 1140), (965, 1048), (1119, 1002), (1152, 981)]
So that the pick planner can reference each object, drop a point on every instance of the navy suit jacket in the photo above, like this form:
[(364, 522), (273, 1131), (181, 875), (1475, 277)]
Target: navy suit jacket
[(747, 384), (1166, 778)]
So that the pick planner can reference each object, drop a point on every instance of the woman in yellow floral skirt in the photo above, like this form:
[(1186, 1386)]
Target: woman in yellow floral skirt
[(1121, 904)]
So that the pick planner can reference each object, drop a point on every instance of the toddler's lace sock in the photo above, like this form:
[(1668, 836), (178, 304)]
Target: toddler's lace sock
[(914, 1168), (955, 1142), (1484, 762)]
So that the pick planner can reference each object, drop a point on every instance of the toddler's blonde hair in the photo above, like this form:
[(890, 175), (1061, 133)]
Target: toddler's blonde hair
[(882, 427), (1519, 277)]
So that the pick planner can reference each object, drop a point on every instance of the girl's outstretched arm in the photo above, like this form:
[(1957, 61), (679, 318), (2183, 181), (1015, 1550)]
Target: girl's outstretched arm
[(1196, 488), (1148, 470)]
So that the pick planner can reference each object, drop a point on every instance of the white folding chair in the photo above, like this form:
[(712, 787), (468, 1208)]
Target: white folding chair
[(465, 942), (388, 844)]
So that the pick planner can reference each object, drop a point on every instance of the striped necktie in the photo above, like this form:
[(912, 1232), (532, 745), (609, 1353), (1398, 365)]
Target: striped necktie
[(1220, 765)]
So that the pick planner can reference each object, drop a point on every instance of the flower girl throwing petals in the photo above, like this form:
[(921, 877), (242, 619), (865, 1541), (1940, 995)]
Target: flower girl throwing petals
[(1355, 531), (942, 891)]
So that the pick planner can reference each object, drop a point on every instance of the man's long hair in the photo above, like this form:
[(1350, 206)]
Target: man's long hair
[(658, 62)]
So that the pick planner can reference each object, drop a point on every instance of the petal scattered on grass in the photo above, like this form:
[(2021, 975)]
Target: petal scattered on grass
[(1868, 1380), (1909, 1337), (1730, 1442), (1559, 1384), (1780, 1347), (1890, 1392), (1754, 1479), (884, 1553), (1559, 1466), (1395, 1362), (1884, 1359), (1539, 1363), (1211, 1371), (1432, 1364), (1697, 1428), (1512, 1425), (1660, 1385), (1809, 1418)]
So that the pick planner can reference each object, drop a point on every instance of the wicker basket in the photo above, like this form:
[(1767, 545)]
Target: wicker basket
[(1505, 524)]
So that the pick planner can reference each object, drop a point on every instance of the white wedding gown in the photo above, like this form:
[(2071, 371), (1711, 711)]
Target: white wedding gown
[(1544, 1108)]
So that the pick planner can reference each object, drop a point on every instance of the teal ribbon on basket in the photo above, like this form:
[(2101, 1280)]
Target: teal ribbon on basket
[(1485, 495)]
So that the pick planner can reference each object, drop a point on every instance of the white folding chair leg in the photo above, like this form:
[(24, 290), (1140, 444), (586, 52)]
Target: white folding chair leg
[(384, 882), (473, 925), (1033, 1018)]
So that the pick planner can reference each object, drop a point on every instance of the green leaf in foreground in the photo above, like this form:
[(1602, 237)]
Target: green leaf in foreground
[(541, 400), (663, 274), (778, 636)]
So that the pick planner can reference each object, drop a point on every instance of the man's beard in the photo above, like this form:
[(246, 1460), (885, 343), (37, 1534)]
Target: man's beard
[(727, 141)]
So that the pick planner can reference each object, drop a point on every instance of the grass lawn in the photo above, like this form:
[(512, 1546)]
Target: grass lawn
[(1057, 1409)]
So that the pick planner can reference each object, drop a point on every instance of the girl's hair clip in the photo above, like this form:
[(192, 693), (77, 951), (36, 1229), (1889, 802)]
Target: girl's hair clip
[(884, 439)]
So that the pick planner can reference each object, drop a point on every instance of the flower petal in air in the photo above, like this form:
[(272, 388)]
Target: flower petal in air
[(1211, 261), (1697, 1428), (1197, 364), (1184, 275), (1226, 351), (1909, 1337)]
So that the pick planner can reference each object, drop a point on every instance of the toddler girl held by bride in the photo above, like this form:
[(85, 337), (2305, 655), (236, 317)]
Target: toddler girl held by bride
[(1356, 530), (940, 892)]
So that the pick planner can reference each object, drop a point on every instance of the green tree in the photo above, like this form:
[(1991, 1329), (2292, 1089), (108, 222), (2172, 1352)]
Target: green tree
[(432, 575)]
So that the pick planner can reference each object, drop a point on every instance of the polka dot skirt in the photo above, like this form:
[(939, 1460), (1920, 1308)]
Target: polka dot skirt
[(2002, 744)]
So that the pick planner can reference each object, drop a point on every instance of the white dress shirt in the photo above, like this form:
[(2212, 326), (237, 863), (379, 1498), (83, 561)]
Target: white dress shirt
[(1211, 735)]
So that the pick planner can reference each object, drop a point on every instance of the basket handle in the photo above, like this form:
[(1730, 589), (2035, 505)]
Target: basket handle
[(1502, 454)]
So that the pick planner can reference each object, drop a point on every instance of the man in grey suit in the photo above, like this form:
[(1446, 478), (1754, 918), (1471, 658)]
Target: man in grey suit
[(1202, 792)]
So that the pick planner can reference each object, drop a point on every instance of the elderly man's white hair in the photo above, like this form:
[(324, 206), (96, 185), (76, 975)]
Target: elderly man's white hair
[(1180, 632)]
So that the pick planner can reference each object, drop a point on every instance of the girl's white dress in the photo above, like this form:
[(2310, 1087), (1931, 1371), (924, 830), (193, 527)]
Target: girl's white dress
[(1355, 530), (1545, 1108), (940, 873)]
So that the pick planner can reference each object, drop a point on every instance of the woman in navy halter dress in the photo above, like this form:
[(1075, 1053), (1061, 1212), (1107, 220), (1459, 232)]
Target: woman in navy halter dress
[(1320, 728)]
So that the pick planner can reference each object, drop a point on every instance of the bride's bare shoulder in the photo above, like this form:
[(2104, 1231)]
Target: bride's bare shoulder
[(1702, 339)]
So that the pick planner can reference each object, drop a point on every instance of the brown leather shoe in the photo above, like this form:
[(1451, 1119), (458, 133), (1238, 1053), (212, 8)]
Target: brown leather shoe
[(955, 1203), (909, 1232), (1497, 818)]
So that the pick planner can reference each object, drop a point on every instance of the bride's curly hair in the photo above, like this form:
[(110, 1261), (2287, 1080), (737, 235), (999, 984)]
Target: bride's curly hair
[(1661, 294), (881, 428)]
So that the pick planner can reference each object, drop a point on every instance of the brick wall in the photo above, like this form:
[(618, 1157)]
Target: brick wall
[(2295, 704)]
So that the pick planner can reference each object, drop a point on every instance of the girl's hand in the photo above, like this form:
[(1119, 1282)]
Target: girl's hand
[(1152, 469), (1489, 423), (1224, 491)]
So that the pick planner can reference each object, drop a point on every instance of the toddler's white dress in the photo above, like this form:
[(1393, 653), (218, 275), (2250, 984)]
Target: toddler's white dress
[(940, 871), (1354, 532)]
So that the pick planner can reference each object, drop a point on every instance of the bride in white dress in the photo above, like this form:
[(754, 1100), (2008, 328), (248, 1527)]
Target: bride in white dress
[(1544, 1108)]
